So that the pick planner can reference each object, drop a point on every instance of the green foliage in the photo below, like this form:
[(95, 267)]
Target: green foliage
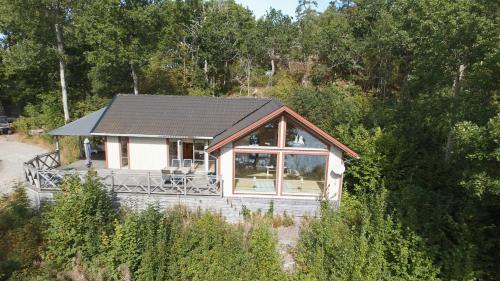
[(264, 257), (80, 217), (209, 249), (20, 236), (381, 76), (361, 242), (45, 115)]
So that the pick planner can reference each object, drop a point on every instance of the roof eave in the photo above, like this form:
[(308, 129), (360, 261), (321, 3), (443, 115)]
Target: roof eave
[(274, 114)]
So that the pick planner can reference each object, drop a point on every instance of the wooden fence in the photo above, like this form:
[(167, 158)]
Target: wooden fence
[(41, 173)]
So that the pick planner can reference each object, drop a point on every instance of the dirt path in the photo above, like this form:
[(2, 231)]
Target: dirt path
[(12, 155)]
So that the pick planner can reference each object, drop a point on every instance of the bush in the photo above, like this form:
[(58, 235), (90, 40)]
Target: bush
[(80, 217), (360, 242), (20, 237)]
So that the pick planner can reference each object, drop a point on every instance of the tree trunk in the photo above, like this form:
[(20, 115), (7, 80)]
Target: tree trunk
[(273, 69), (205, 70), (62, 72), (135, 78), (456, 89)]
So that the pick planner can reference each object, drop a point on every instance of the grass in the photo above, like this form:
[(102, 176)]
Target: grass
[(69, 146)]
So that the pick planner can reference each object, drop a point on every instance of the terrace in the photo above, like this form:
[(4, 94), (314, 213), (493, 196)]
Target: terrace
[(45, 173)]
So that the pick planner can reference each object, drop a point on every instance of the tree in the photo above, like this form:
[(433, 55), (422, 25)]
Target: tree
[(34, 26), (122, 35)]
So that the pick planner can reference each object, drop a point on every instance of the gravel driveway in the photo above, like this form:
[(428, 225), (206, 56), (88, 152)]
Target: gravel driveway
[(12, 155)]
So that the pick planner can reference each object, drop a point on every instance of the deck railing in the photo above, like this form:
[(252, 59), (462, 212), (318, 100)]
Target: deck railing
[(46, 161), (138, 182), (41, 173)]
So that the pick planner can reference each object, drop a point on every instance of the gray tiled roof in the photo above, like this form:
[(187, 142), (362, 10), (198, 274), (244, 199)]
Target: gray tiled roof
[(79, 127), (251, 118), (180, 116)]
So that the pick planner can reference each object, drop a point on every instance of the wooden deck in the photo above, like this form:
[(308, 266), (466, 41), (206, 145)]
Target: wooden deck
[(138, 189), (45, 173)]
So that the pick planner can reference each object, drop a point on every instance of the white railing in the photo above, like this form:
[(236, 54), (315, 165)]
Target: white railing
[(136, 182), (41, 173)]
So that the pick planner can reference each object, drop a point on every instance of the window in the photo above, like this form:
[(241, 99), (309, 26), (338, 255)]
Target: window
[(198, 151), (266, 135), (172, 151), (304, 174), (296, 136), (124, 150), (255, 172)]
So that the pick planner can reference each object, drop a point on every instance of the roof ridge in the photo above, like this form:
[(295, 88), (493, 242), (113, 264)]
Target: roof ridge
[(209, 97), (243, 118)]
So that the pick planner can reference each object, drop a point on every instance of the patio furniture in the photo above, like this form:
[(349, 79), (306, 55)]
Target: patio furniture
[(188, 163), (176, 163), (270, 169), (166, 176)]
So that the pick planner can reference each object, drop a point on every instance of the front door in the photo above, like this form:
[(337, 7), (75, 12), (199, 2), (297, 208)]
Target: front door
[(187, 150)]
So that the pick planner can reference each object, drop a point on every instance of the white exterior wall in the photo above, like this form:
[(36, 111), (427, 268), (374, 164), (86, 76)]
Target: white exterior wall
[(226, 169), (147, 153), (333, 182), (113, 152)]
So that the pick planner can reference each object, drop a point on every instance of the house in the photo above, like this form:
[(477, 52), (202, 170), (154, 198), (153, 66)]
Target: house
[(255, 147)]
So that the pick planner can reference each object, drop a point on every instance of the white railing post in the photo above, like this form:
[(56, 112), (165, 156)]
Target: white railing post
[(149, 183), (37, 179), (184, 181), (112, 181)]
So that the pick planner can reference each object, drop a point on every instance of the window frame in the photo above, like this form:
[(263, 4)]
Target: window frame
[(325, 185), (276, 178), (281, 151), (127, 141), (255, 130)]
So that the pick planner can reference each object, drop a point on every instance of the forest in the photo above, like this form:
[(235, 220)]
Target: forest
[(411, 86)]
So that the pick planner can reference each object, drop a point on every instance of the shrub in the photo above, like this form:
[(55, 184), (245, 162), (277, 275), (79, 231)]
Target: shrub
[(264, 256), (20, 237), (80, 217), (360, 242)]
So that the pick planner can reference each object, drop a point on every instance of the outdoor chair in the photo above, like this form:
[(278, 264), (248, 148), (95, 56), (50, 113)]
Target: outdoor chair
[(166, 177), (176, 163), (188, 163)]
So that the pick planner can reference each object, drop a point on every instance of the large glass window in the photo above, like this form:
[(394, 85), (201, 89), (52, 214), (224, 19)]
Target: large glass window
[(255, 172), (304, 173), (296, 136), (266, 135)]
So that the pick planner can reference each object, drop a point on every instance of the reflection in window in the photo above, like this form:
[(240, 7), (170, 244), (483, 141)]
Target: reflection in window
[(255, 172), (304, 173), (298, 137), (172, 151), (198, 151), (266, 135)]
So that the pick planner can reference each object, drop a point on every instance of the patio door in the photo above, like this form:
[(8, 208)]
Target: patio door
[(124, 151)]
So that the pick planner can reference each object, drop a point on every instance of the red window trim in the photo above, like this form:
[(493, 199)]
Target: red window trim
[(316, 135), (325, 185), (280, 154), (296, 116), (254, 193)]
